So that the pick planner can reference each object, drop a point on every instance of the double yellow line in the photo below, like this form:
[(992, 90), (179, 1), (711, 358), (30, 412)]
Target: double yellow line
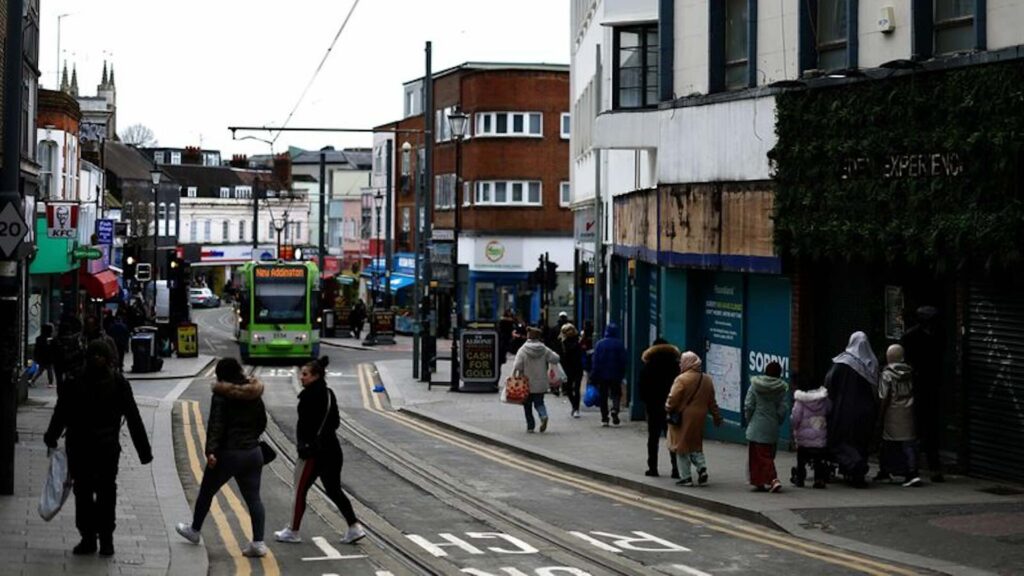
[(628, 497), (243, 567)]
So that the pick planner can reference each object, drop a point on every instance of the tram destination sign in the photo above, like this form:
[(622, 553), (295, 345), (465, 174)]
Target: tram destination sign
[(479, 362)]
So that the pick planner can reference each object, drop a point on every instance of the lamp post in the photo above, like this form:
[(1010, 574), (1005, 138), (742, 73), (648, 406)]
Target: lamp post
[(371, 337), (155, 175), (256, 185), (458, 120), (279, 229), (413, 182)]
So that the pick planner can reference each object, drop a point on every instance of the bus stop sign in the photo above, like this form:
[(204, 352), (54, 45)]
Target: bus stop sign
[(12, 229)]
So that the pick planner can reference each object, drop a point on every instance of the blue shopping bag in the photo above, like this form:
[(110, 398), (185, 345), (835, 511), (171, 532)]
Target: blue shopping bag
[(591, 396)]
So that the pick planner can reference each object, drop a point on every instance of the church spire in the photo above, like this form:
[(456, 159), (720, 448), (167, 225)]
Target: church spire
[(103, 83), (74, 81), (111, 75), (64, 86)]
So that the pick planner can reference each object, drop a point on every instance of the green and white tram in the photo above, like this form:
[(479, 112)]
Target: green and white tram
[(278, 311)]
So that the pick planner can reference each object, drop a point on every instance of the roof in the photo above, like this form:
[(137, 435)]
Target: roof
[(202, 177), (352, 159), (495, 66), (126, 162)]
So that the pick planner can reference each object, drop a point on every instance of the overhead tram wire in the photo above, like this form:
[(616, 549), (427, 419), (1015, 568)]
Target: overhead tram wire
[(317, 71)]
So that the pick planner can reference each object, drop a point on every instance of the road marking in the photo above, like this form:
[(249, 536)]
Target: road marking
[(638, 500), (330, 552), (269, 562), (688, 570), (242, 567)]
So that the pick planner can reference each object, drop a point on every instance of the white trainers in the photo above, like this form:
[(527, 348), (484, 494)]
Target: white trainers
[(354, 534), (186, 531), (287, 535), (255, 550), (575, 413)]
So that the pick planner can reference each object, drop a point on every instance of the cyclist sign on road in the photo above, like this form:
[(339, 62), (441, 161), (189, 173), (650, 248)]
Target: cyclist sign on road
[(12, 229)]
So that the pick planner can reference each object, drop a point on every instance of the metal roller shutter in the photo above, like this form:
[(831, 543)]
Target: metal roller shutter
[(995, 379)]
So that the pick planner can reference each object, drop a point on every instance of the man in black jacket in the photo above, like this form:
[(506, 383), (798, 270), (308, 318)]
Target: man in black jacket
[(660, 368), (90, 407)]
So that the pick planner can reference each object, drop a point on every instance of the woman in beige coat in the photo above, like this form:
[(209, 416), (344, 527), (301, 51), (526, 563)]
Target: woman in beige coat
[(692, 396)]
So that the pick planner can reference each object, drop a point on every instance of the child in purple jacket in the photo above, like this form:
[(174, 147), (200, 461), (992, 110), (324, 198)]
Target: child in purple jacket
[(809, 420)]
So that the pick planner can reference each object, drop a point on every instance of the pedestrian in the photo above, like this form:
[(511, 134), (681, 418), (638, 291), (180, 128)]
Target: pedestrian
[(121, 336), (896, 412), (571, 355), (689, 401), (851, 385), (809, 421), (237, 419), (42, 354), (659, 369), (358, 317), (922, 345), (563, 319), (320, 454), (765, 409), (90, 407), (506, 325), (608, 368), (533, 361), (93, 331)]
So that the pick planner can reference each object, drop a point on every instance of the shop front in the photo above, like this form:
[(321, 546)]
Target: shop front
[(500, 275), (48, 296), (401, 282)]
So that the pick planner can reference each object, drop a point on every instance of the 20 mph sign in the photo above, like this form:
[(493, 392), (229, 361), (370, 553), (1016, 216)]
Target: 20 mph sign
[(12, 229)]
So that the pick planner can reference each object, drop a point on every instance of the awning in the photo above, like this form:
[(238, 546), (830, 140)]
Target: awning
[(398, 281), (101, 285)]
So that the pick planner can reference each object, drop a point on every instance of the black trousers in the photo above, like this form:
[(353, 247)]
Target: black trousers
[(95, 489), (817, 457), (572, 391), (326, 466), (656, 427), (608, 390)]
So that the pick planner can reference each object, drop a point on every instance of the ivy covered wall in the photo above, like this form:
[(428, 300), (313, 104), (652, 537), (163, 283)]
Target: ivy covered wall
[(924, 169)]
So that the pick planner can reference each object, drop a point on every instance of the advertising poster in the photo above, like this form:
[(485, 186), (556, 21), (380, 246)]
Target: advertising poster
[(723, 311), (479, 361)]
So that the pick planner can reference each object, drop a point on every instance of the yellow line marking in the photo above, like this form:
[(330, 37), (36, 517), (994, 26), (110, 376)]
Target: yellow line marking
[(242, 567), (245, 522), (638, 500), (362, 387)]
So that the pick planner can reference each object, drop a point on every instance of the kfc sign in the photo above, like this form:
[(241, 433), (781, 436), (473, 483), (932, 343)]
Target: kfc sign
[(62, 220)]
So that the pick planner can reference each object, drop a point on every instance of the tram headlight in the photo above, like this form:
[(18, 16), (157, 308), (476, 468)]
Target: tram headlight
[(301, 338)]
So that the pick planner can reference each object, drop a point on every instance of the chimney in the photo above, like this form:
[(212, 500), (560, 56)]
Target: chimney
[(283, 170), (239, 161), (192, 155)]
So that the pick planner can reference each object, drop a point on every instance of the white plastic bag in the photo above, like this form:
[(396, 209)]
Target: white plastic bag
[(57, 486)]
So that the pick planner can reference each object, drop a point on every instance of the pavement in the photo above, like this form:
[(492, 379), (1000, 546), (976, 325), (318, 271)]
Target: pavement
[(150, 498), (962, 526), (402, 344)]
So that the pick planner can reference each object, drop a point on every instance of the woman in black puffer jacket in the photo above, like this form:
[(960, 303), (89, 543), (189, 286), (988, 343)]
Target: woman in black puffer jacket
[(319, 453), (237, 418)]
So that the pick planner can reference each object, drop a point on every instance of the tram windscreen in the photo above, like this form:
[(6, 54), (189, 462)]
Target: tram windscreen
[(279, 295)]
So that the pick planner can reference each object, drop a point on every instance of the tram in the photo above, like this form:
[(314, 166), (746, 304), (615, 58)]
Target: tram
[(278, 311)]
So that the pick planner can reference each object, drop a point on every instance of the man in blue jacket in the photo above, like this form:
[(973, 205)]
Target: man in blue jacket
[(607, 371)]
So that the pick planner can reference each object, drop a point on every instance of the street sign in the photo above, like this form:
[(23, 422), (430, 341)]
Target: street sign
[(12, 229), (442, 234), (62, 220), (143, 271), (105, 231), (86, 253)]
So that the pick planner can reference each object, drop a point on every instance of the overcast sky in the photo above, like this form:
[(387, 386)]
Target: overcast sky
[(187, 69)]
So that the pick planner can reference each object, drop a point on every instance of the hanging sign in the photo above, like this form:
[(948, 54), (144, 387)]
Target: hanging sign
[(62, 220)]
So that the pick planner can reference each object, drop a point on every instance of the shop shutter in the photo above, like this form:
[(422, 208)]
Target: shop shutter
[(995, 379)]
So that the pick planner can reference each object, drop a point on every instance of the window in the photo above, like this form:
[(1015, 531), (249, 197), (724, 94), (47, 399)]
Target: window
[(509, 193), (635, 67), (242, 230), (954, 26), (510, 124), (172, 221), (48, 164), (225, 192), (298, 232), (564, 194), (193, 232), (736, 44), (444, 191), (467, 193), (406, 219), (193, 191), (158, 157), (831, 34), (566, 125), (271, 231), (151, 217), (175, 158), (243, 192), (207, 225)]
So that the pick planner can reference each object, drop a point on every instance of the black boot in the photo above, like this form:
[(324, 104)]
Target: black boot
[(797, 476), (86, 546), (106, 544), (675, 465)]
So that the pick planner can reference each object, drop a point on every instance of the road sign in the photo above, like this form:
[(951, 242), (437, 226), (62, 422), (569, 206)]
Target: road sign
[(12, 229), (86, 253), (105, 231), (143, 271)]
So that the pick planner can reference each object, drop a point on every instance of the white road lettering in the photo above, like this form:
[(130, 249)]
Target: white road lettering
[(595, 542), (330, 552), (523, 547), (553, 570), (450, 540), (624, 542), (507, 571)]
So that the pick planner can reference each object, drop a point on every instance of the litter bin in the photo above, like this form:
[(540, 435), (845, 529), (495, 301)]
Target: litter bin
[(328, 327), (188, 340), (143, 347)]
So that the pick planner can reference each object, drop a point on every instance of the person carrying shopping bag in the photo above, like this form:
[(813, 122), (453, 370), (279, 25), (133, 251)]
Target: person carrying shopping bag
[(320, 454), (237, 419), (533, 360), (691, 398)]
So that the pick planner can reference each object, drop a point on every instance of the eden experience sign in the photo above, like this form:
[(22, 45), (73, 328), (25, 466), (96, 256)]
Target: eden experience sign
[(903, 166)]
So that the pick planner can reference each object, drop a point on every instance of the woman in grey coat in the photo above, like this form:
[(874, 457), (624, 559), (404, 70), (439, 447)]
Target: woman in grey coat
[(533, 361)]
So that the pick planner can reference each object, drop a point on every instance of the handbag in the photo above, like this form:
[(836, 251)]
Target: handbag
[(676, 418), (517, 389), (269, 454), (56, 486)]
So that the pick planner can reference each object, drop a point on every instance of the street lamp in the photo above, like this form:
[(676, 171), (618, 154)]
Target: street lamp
[(458, 121), (371, 337), (155, 175)]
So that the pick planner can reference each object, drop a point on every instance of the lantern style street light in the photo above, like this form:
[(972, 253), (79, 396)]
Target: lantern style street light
[(458, 122)]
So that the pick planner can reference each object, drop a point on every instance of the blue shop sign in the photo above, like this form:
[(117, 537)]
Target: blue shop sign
[(105, 232)]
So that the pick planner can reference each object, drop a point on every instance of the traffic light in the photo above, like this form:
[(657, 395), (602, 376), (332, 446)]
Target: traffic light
[(131, 260), (537, 277), (551, 275)]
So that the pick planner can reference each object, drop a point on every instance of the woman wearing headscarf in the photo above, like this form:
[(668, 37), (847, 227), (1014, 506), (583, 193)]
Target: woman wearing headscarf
[(851, 385), (91, 407), (692, 396), (533, 360), (571, 357), (237, 418)]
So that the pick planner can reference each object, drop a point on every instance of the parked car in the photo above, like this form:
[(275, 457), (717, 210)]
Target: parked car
[(203, 297)]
